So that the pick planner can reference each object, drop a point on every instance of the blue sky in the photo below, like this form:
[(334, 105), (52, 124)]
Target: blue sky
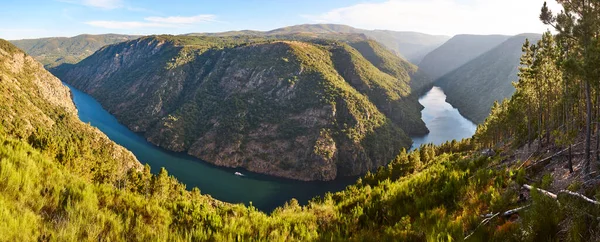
[(44, 18)]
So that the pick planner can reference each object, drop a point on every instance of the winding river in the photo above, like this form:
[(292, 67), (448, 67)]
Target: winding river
[(443, 121), (264, 192)]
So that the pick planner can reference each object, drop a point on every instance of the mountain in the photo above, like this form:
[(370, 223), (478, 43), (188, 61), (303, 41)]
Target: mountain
[(308, 110), (37, 107), (457, 51), (58, 50), (55, 51), (473, 87), (411, 45), (62, 180), (314, 28)]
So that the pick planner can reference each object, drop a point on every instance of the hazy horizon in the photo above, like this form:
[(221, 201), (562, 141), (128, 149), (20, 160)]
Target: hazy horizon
[(67, 18)]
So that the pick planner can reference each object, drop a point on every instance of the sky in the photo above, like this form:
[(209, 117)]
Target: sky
[(21, 19)]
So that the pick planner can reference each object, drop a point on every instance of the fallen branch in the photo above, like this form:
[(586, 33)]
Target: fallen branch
[(484, 222), (513, 211), (566, 192), (547, 193), (489, 217), (525, 162), (582, 153), (546, 159), (552, 156)]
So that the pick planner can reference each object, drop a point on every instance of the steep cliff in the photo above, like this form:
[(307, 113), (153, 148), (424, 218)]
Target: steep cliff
[(285, 108), (37, 108)]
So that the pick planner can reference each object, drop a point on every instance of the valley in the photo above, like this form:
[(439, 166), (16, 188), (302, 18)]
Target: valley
[(181, 125), (264, 192), (444, 121), (314, 109)]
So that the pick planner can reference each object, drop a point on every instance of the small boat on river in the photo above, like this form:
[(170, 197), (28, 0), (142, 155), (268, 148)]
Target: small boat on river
[(238, 174)]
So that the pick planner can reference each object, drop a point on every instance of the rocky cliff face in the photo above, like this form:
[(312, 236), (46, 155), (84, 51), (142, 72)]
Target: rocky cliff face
[(275, 107), (33, 100)]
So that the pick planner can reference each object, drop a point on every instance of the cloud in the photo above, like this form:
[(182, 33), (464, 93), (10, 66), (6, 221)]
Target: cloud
[(103, 4), (183, 20), (448, 17), (150, 22), (20, 33), (125, 24)]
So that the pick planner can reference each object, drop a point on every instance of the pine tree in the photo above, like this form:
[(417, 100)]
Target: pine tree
[(580, 23)]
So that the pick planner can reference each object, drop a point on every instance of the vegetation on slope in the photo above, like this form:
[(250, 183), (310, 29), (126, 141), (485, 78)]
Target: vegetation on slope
[(55, 51), (36, 107), (552, 110), (457, 51), (433, 193), (376, 73), (491, 73), (291, 114)]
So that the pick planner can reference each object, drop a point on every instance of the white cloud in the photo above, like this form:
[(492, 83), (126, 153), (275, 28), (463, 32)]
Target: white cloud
[(171, 22), (447, 17), (125, 24), (103, 4), (183, 20), (20, 33)]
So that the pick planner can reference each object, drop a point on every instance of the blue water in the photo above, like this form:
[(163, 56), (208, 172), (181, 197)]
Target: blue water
[(265, 192), (443, 121)]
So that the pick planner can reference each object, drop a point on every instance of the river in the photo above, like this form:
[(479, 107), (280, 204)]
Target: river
[(265, 192), (443, 121)]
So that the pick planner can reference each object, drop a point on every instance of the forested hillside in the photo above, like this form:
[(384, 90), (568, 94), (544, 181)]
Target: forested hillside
[(448, 192), (411, 45), (53, 52), (473, 87), (530, 173), (306, 108), (457, 51)]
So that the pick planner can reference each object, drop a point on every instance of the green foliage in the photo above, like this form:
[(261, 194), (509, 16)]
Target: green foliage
[(531, 112), (62, 180), (541, 220), (52, 52), (490, 73), (206, 85)]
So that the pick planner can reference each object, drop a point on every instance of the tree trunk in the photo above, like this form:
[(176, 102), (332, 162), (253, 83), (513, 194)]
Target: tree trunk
[(597, 130), (570, 160), (588, 127)]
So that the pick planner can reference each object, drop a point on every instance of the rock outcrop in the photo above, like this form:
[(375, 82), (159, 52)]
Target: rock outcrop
[(279, 107)]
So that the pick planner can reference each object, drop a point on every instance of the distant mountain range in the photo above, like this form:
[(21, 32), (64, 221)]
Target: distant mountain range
[(54, 51), (411, 45), (456, 52), (465, 66), (58, 50)]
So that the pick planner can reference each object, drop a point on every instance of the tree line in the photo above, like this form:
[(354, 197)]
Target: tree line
[(558, 92)]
